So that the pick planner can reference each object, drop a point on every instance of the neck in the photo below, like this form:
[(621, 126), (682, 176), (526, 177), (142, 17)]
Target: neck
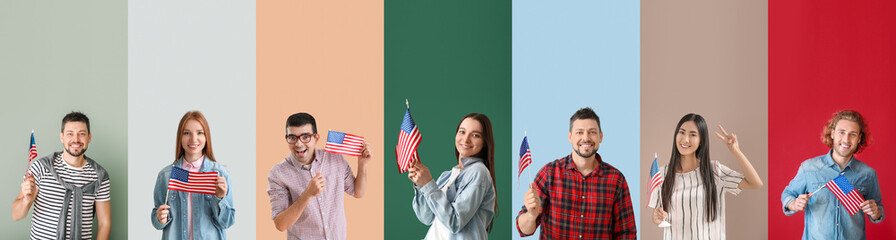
[(306, 162), (688, 163), (841, 161), (585, 165), (73, 161), (190, 158), (460, 164)]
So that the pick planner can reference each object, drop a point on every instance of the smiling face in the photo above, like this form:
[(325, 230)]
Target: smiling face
[(846, 138), (585, 137), (192, 139), (688, 139), (75, 138), (469, 139), (302, 151)]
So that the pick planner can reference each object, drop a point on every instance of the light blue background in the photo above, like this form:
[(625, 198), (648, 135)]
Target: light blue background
[(568, 55)]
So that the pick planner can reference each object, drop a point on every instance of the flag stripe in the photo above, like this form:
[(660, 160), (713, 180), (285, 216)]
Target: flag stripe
[(195, 182)]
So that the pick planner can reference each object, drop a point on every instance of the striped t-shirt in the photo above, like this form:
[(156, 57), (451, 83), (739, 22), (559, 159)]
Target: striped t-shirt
[(50, 196), (687, 214)]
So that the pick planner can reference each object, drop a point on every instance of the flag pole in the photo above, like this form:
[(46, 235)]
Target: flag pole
[(529, 172), (406, 103), (819, 189), (168, 191)]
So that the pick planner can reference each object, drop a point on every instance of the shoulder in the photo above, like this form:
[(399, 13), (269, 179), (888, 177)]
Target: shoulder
[(611, 171), (863, 168), (217, 167), (165, 172), (96, 165), (330, 158), (813, 164)]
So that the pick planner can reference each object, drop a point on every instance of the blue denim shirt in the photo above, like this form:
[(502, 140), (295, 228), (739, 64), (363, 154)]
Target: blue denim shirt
[(466, 208), (826, 218), (210, 214)]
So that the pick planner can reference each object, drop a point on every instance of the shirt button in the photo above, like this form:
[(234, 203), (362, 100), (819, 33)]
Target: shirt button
[(583, 197), (580, 236), (583, 216)]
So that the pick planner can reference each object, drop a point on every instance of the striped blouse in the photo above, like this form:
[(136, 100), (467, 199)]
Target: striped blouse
[(687, 214)]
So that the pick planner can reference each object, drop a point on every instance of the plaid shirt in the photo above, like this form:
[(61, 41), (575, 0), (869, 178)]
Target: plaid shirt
[(324, 217), (593, 206)]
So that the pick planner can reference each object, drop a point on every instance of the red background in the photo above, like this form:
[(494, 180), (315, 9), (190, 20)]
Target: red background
[(826, 56)]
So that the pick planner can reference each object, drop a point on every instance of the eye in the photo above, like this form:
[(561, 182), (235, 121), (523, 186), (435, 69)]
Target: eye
[(476, 135), (201, 133), (461, 132)]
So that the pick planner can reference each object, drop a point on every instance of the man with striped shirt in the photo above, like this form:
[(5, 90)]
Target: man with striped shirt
[(579, 196), (66, 189)]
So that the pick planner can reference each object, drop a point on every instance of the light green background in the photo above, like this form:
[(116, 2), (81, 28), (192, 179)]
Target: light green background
[(57, 57)]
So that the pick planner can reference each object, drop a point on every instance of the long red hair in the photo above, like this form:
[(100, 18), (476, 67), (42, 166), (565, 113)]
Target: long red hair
[(193, 115)]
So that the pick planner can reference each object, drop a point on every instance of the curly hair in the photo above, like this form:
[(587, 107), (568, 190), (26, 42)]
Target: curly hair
[(864, 133)]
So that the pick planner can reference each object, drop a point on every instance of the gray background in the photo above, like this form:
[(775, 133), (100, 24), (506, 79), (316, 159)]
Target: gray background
[(55, 58), (191, 56)]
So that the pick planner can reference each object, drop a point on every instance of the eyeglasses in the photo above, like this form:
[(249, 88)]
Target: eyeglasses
[(292, 138)]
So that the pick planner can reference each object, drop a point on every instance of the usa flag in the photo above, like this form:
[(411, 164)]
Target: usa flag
[(408, 139), (655, 179), (525, 156), (847, 195), (194, 182), (344, 143), (32, 153)]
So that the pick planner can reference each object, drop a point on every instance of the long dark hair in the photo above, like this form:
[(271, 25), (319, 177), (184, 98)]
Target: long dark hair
[(487, 153), (707, 176)]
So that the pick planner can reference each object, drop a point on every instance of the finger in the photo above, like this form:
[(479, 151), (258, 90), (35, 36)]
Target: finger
[(723, 130), (721, 137)]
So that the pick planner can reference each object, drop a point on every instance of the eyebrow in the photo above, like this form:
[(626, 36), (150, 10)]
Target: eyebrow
[(682, 129)]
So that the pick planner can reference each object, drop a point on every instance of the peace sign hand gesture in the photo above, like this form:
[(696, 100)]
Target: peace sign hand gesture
[(729, 139)]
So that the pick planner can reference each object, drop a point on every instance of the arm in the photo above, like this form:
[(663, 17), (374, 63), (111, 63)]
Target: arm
[(284, 216), (222, 208), (751, 178), (420, 176), (623, 213), (161, 189), (527, 219), (104, 219), (26, 197), (472, 191), (796, 189), (873, 207), (360, 181)]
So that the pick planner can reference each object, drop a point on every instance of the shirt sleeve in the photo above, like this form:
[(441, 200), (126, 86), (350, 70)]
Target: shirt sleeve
[(159, 194), (470, 193), (796, 187), (541, 182), (656, 194), (624, 214), (222, 209), (728, 180), (348, 177), (36, 170), (277, 192), (104, 193), (874, 194)]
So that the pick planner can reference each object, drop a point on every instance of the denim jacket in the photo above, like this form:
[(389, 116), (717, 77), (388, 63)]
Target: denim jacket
[(210, 214), (466, 208), (826, 217)]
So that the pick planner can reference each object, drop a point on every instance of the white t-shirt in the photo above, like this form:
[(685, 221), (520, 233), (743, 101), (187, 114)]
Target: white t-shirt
[(48, 203), (687, 214)]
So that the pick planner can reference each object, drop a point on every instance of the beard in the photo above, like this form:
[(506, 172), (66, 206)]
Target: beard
[(586, 155), (83, 150)]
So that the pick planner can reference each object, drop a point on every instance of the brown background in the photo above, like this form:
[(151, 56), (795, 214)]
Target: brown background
[(324, 58), (710, 58)]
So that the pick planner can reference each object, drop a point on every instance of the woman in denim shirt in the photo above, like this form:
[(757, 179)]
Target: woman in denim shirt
[(462, 203), (185, 215)]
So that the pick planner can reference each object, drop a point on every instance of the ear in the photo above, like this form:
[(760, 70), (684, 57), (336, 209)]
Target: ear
[(600, 136), (89, 136), (569, 136), (60, 138)]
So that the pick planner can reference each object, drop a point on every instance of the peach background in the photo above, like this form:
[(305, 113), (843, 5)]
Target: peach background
[(324, 58)]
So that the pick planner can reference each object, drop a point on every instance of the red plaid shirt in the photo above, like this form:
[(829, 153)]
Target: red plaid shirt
[(593, 206)]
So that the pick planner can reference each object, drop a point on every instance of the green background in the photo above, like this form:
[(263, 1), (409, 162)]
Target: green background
[(448, 58), (57, 57)]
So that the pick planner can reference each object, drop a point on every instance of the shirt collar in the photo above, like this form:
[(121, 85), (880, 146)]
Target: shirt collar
[(467, 161), (299, 165), (569, 164), (829, 161), (195, 165)]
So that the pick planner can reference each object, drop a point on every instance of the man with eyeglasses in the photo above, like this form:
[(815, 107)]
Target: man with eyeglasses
[(306, 187)]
